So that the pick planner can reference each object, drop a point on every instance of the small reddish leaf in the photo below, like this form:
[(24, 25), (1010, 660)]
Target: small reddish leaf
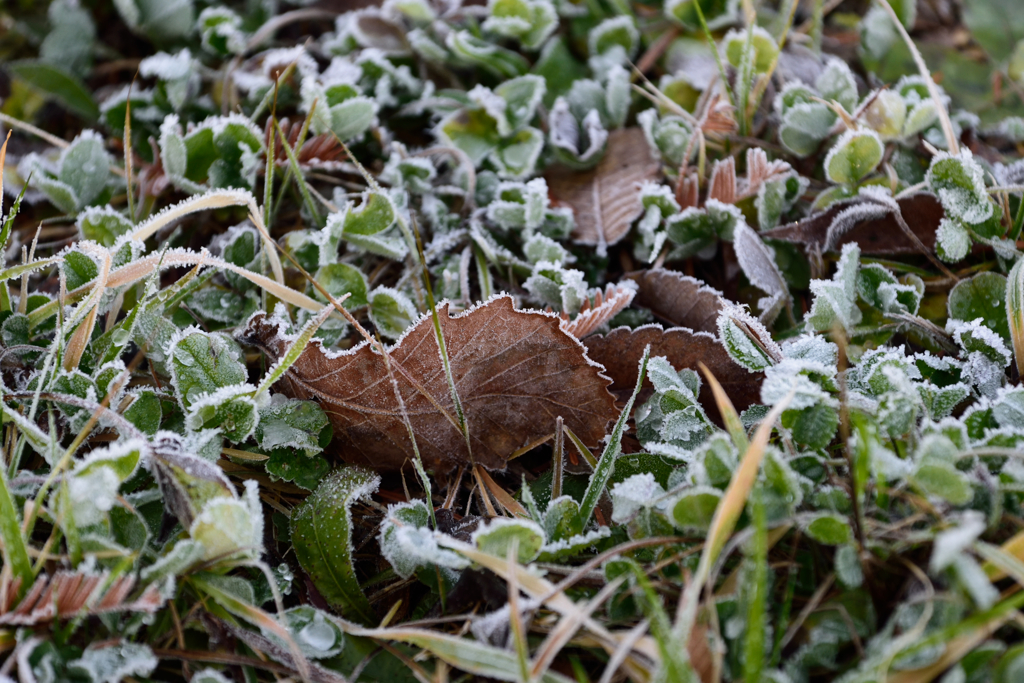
[(606, 199), (515, 372), (678, 299), (606, 306), (877, 234)]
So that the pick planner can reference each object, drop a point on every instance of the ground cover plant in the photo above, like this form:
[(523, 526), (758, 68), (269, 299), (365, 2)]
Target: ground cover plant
[(527, 340)]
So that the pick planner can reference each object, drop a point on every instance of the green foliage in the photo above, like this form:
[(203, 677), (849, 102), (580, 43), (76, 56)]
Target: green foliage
[(179, 478)]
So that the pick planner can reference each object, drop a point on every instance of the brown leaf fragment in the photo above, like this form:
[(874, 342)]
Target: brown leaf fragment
[(722, 185), (606, 199), (875, 230), (515, 372), (68, 595), (606, 306), (678, 299), (688, 190), (620, 351)]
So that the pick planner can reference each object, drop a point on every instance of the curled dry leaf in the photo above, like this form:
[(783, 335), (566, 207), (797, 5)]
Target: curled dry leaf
[(620, 351), (678, 299), (606, 306), (514, 371), (876, 233), (606, 198), (75, 594)]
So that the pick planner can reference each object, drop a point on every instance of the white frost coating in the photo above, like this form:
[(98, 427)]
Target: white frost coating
[(813, 347), (758, 263), (575, 544), (849, 218), (493, 627), (952, 542), (788, 376), (731, 321), (987, 355), (166, 66), (243, 393), (634, 494), (840, 146), (969, 205)]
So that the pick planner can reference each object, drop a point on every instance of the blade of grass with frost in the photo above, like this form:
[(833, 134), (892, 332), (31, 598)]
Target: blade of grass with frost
[(127, 142), (470, 656), (297, 174), (3, 159), (558, 459), (417, 462), (82, 335), (515, 617), (272, 92), (567, 627), (1015, 310), (606, 465), (581, 448), (137, 270), (215, 199), (255, 616), (298, 346), (675, 660), (722, 73), (727, 513), (933, 90), (753, 661), (730, 417), (15, 549)]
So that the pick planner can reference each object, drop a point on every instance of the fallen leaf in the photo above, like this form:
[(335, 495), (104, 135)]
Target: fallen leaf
[(880, 234), (620, 351), (678, 299), (606, 198), (514, 371), (606, 306)]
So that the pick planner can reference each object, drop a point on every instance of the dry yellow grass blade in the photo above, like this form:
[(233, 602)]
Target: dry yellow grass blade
[(540, 588), (502, 496), (81, 336), (216, 199), (3, 158), (729, 415)]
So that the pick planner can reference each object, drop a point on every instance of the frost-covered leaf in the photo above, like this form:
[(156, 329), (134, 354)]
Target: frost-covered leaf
[(959, 183), (694, 508), (391, 311), (982, 296), (299, 425), (113, 664), (408, 543), (757, 260), (524, 366), (835, 300), (322, 536), (854, 155), (202, 363), (606, 199), (103, 225), (501, 536), (829, 529)]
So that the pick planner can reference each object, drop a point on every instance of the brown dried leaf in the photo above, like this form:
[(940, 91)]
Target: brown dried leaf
[(67, 595), (722, 185), (515, 372), (877, 234), (606, 198), (760, 171), (606, 306), (688, 190), (678, 299), (620, 351)]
